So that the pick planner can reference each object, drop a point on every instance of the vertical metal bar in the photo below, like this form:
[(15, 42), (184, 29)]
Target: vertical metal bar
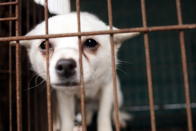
[(148, 68), (28, 72), (184, 68), (35, 94), (10, 72), (39, 16), (82, 90), (36, 119), (34, 14), (49, 103), (10, 88), (28, 102), (114, 79), (27, 15), (18, 71)]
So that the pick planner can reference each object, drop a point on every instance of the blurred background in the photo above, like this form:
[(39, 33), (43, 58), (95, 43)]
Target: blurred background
[(165, 59)]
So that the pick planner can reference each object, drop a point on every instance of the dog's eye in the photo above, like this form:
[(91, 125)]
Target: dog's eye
[(90, 43), (42, 46)]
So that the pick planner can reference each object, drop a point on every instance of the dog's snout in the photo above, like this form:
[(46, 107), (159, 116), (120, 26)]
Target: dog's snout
[(65, 68)]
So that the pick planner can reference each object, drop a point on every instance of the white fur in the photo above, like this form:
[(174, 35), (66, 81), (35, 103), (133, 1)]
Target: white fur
[(97, 70), (56, 6)]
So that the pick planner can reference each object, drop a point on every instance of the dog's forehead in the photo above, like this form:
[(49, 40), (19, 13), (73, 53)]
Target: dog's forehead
[(65, 42), (68, 24)]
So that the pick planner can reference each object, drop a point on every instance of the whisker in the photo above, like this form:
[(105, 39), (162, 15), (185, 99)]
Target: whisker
[(124, 72), (124, 62), (37, 84)]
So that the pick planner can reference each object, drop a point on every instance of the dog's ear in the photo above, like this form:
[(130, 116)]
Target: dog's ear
[(121, 37), (56, 6), (24, 43)]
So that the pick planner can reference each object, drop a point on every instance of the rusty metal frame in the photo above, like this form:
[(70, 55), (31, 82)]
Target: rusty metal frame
[(104, 32), (184, 68), (114, 78), (49, 103), (148, 68), (28, 85), (18, 70), (8, 3), (82, 91), (9, 19), (10, 73), (145, 29)]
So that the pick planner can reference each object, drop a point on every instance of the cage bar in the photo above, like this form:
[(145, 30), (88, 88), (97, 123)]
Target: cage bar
[(5, 71), (8, 19), (148, 68), (36, 92), (184, 68), (82, 89), (145, 29), (29, 119), (10, 88), (18, 70), (34, 14), (104, 32), (8, 3), (114, 79), (28, 105), (49, 103), (10, 74), (27, 16)]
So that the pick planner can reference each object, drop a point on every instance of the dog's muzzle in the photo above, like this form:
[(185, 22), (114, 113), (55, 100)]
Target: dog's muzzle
[(65, 68)]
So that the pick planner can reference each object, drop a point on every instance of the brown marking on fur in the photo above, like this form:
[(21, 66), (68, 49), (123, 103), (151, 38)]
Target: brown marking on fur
[(50, 48), (50, 53), (85, 56), (92, 51), (85, 51)]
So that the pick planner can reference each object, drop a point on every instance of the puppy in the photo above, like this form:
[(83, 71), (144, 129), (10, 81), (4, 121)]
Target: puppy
[(64, 70)]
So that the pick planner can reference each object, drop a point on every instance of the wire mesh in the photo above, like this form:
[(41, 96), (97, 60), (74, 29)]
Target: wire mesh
[(82, 90), (114, 79), (148, 69), (49, 103), (184, 68), (145, 29)]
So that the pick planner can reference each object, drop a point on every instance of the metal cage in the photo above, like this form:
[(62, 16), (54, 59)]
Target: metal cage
[(13, 16)]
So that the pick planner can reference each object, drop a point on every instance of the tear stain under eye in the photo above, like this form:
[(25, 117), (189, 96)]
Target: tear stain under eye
[(85, 56), (91, 51), (45, 52), (51, 51)]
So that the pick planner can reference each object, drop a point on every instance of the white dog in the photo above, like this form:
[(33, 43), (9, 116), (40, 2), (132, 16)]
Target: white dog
[(64, 68)]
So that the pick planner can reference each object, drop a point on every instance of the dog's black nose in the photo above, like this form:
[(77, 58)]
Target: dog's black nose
[(65, 68)]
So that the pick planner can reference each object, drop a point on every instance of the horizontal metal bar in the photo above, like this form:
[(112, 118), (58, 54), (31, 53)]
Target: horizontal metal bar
[(4, 71), (159, 107), (8, 19), (104, 32), (7, 71), (8, 3)]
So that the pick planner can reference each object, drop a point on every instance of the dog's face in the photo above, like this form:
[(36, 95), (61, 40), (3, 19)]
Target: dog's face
[(64, 68)]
